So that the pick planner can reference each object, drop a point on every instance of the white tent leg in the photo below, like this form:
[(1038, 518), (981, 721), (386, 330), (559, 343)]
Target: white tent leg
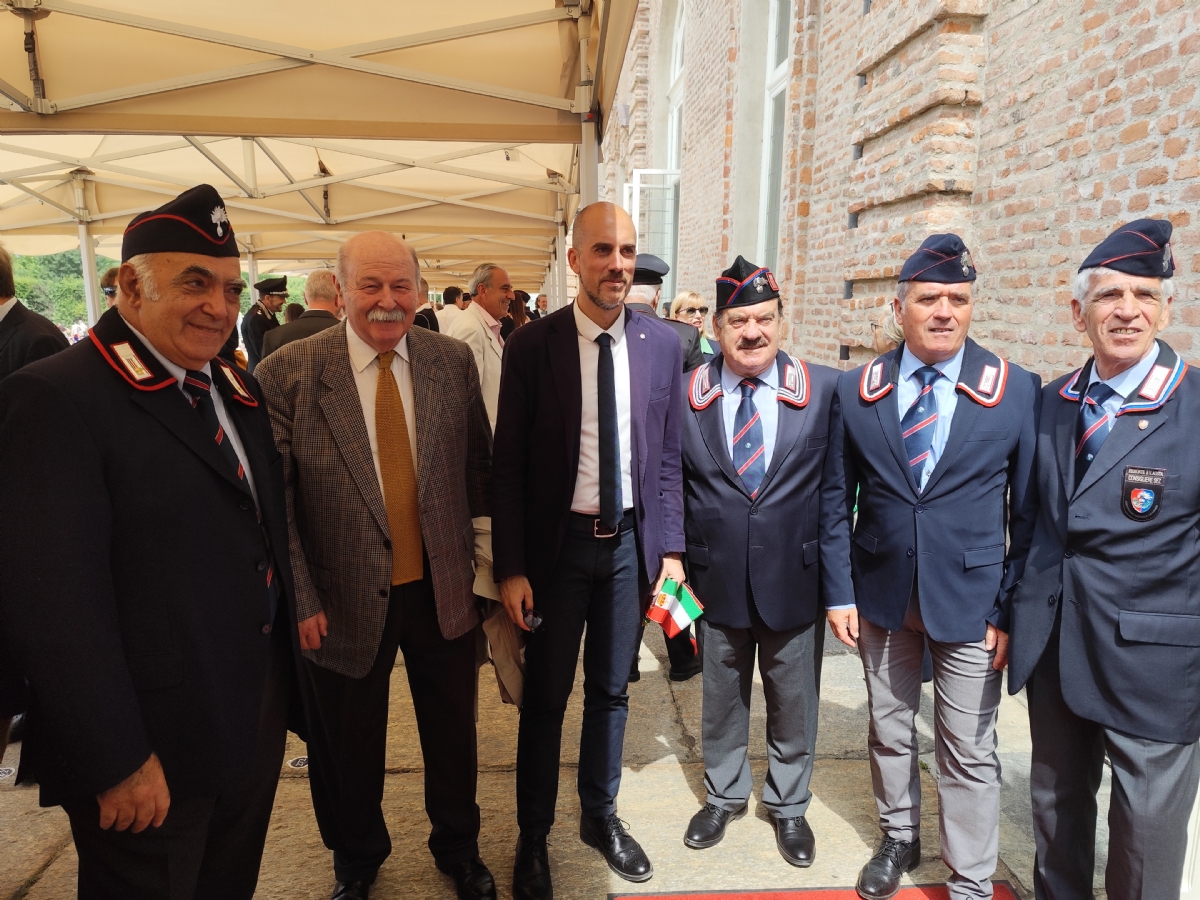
[(91, 281), (589, 190), (560, 267), (252, 272)]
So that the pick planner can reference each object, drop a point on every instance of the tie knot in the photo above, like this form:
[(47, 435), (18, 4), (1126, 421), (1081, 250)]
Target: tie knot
[(604, 340), (748, 386), (385, 359), (927, 375), (1100, 393), (197, 384)]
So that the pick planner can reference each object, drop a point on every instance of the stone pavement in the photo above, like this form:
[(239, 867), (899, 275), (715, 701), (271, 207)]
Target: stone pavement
[(662, 787)]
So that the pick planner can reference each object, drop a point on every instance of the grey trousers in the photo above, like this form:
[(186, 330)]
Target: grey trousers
[(790, 664), (966, 701), (1153, 787)]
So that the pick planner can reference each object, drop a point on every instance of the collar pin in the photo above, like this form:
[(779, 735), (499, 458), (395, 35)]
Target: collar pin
[(1143, 424)]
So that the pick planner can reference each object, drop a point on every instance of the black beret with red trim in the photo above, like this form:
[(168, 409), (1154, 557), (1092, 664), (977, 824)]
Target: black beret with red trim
[(943, 259), (744, 284), (1139, 248), (194, 222)]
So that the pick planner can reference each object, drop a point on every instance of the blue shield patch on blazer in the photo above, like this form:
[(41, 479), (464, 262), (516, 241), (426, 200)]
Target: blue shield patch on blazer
[(1142, 492)]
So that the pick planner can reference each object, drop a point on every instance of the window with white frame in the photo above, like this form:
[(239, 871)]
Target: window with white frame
[(774, 121), (675, 83)]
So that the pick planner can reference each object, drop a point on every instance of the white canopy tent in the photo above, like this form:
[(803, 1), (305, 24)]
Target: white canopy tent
[(473, 135)]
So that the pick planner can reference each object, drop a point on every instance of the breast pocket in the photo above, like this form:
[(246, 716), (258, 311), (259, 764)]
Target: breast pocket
[(1000, 435)]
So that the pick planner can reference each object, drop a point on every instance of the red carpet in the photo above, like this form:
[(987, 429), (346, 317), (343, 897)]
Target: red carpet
[(920, 892)]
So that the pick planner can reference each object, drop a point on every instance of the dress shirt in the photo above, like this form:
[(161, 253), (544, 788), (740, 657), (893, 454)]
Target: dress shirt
[(1125, 383), (446, 315), (587, 478), (364, 362), (6, 306), (909, 386), (766, 401), (231, 432), (491, 323)]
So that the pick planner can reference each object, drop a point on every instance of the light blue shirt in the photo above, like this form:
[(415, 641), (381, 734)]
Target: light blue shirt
[(766, 401), (909, 387), (1125, 383)]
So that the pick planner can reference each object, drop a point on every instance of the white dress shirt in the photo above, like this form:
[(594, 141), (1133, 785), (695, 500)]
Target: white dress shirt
[(766, 401), (446, 315), (909, 386), (364, 362), (231, 432), (6, 306), (587, 478), (1125, 383)]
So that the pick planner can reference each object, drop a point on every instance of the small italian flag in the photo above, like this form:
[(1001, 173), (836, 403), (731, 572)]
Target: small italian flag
[(675, 607)]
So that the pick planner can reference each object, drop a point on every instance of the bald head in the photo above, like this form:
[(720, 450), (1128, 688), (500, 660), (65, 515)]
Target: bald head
[(373, 245), (603, 254), (379, 278), (603, 216)]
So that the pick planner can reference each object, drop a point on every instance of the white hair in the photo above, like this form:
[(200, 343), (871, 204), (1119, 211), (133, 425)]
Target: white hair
[(1082, 286), (481, 275), (320, 286), (145, 277), (902, 291), (644, 292)]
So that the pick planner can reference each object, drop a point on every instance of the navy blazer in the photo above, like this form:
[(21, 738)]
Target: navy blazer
[(756, 553), (951, 537), (132, 570), (535, 454), (1124, 566)]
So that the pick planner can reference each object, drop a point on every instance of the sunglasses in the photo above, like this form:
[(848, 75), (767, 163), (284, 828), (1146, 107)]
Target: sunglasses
[(692, 310), (109, 292)]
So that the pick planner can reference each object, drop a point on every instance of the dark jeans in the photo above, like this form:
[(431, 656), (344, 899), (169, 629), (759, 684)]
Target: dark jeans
[(208, 847), (597, 583), (348, 740)]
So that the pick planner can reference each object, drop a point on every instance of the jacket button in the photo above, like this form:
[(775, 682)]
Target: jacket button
[(387, 545), (266, 629), (262, 566), (754, 511), (1069, 553), (910, 551), (920, 508), (1052, 599), (245, 504), (383, 592)]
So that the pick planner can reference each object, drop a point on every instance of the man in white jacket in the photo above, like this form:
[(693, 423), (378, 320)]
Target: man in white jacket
[(479, 327)]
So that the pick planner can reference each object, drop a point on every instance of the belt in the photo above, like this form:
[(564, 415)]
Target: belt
[(579, 523)]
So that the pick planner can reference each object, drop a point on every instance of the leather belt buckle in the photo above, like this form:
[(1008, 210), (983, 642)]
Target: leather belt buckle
[(600, 530)]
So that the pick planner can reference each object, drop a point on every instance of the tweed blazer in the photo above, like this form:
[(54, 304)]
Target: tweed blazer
[(341, 548)]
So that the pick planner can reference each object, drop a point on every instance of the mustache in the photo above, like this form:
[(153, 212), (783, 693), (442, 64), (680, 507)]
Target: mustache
[(753, 345), (386, 315)]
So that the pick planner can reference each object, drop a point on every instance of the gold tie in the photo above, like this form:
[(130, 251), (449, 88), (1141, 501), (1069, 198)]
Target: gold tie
[(399, 476)]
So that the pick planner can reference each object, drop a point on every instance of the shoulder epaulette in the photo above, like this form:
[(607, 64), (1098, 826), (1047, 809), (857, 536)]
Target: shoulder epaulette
[(793, 385), (875, 383), (701, 391)]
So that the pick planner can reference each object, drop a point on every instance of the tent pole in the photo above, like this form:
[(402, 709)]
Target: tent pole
[(589, 191), (252, 272), (91, 280)]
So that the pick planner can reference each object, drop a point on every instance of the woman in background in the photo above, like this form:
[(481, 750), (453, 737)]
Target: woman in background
[(690, 307)]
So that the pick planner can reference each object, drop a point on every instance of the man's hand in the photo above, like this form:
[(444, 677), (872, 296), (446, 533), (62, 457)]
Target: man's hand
[(141, 799), (517, 596), (997, 640), (844, 623), (671, 568), (312, 630)]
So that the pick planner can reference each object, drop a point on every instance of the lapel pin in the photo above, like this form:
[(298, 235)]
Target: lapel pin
[(642, 336), (1143, 424)]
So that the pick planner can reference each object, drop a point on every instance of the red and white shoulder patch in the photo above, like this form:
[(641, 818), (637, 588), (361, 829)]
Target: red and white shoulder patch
[(990, 389), (793, 389), (235, 381), (701, 390), (875, 384), (129, 365)]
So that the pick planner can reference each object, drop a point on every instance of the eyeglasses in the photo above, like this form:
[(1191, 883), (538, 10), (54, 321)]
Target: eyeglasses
[(109, 292), (693, 310)]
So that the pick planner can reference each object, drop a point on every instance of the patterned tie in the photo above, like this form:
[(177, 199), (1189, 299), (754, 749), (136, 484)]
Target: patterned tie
[(399, 476), (917, 426), (611, 507), (749, 452), (198, 387), (1092, 428)]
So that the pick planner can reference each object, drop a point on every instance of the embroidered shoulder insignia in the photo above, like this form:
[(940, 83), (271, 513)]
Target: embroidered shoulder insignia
[(1154, 383), (701, 393), (131, 361), (794, 389), (992, 381), (1158, 387), (1070, 390), (874, 384), (128, 364), (235, 382)]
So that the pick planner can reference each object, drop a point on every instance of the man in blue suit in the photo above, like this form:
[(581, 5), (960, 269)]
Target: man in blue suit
[(1106, 621), (935, 442), (754, 439), (587, 523)]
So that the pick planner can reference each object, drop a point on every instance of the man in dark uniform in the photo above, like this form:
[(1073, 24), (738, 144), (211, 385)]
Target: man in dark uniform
[(1106, 621), (141, 595), (272, 294), (644, 297), (754, 439), (24, 335), (934, 442), (321, 295)]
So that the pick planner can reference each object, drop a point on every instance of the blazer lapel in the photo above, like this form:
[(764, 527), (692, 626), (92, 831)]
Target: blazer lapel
[(639, 390), (344, 414), (712, 429), (424, 361), (1125, 435), (791, 424), (966, 411), (562, 349), (248, 428), (889, 420), (1064, 444)]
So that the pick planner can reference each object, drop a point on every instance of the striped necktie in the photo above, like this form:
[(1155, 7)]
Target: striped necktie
[(749, 451), (919, 423), (1092, 428)]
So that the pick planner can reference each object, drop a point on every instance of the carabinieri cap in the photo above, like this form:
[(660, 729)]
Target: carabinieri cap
[(1139, 248), (194, 222), (276, 284), (744, 284), (650, 269), (943, 259)]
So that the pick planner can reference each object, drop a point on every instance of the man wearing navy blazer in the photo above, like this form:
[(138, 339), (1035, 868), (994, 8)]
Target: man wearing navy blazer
[(587, 506), (934, 442), (755, 432), (1106, 621)]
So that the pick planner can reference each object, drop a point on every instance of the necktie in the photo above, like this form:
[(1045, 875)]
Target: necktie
[(611, 507), (1092, 428), (917, 426), (399, 476), (198, 387), (749, 452)]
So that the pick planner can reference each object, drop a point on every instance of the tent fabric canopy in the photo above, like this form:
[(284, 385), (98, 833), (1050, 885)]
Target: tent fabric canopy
[(469, 127)]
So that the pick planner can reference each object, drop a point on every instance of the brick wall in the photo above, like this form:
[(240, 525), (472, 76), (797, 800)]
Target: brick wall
[(1030, 127)]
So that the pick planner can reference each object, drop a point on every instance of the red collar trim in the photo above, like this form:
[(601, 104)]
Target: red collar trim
[(875, 383), (992, 381), (240, 393), (130, 366), (701, 391)]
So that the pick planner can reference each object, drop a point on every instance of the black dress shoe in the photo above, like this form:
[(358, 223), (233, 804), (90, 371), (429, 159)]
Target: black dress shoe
[(623, 854), (16, 731), (880, 878), (635, 675), (472, 880), (531, 871), (351, 890), (708, 826), (795, 840), (691, 670)]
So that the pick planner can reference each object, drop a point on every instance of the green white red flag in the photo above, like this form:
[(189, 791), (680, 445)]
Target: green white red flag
[(675, 607)]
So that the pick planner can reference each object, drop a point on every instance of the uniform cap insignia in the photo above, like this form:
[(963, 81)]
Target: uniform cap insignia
[(1166, 263), (219, 218), (760, 284), (967, 262)]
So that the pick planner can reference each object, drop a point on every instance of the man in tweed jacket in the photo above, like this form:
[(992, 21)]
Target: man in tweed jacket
[(354, 611)]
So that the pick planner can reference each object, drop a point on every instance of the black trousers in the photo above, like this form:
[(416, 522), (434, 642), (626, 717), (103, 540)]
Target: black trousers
[(210, 846), (348, 740)]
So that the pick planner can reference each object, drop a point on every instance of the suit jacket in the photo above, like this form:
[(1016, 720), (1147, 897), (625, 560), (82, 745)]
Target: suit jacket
[(471, 329), (255, 325), (537, 444), (757, 553), (535, 314), (311, 321), (133, 593), (341, 547), (426, 318), (951, 536), (26, 337), (689, 337), (1127, 581)]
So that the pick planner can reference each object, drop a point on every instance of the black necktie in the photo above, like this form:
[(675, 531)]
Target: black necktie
[(611, 508), (1092, 428)]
